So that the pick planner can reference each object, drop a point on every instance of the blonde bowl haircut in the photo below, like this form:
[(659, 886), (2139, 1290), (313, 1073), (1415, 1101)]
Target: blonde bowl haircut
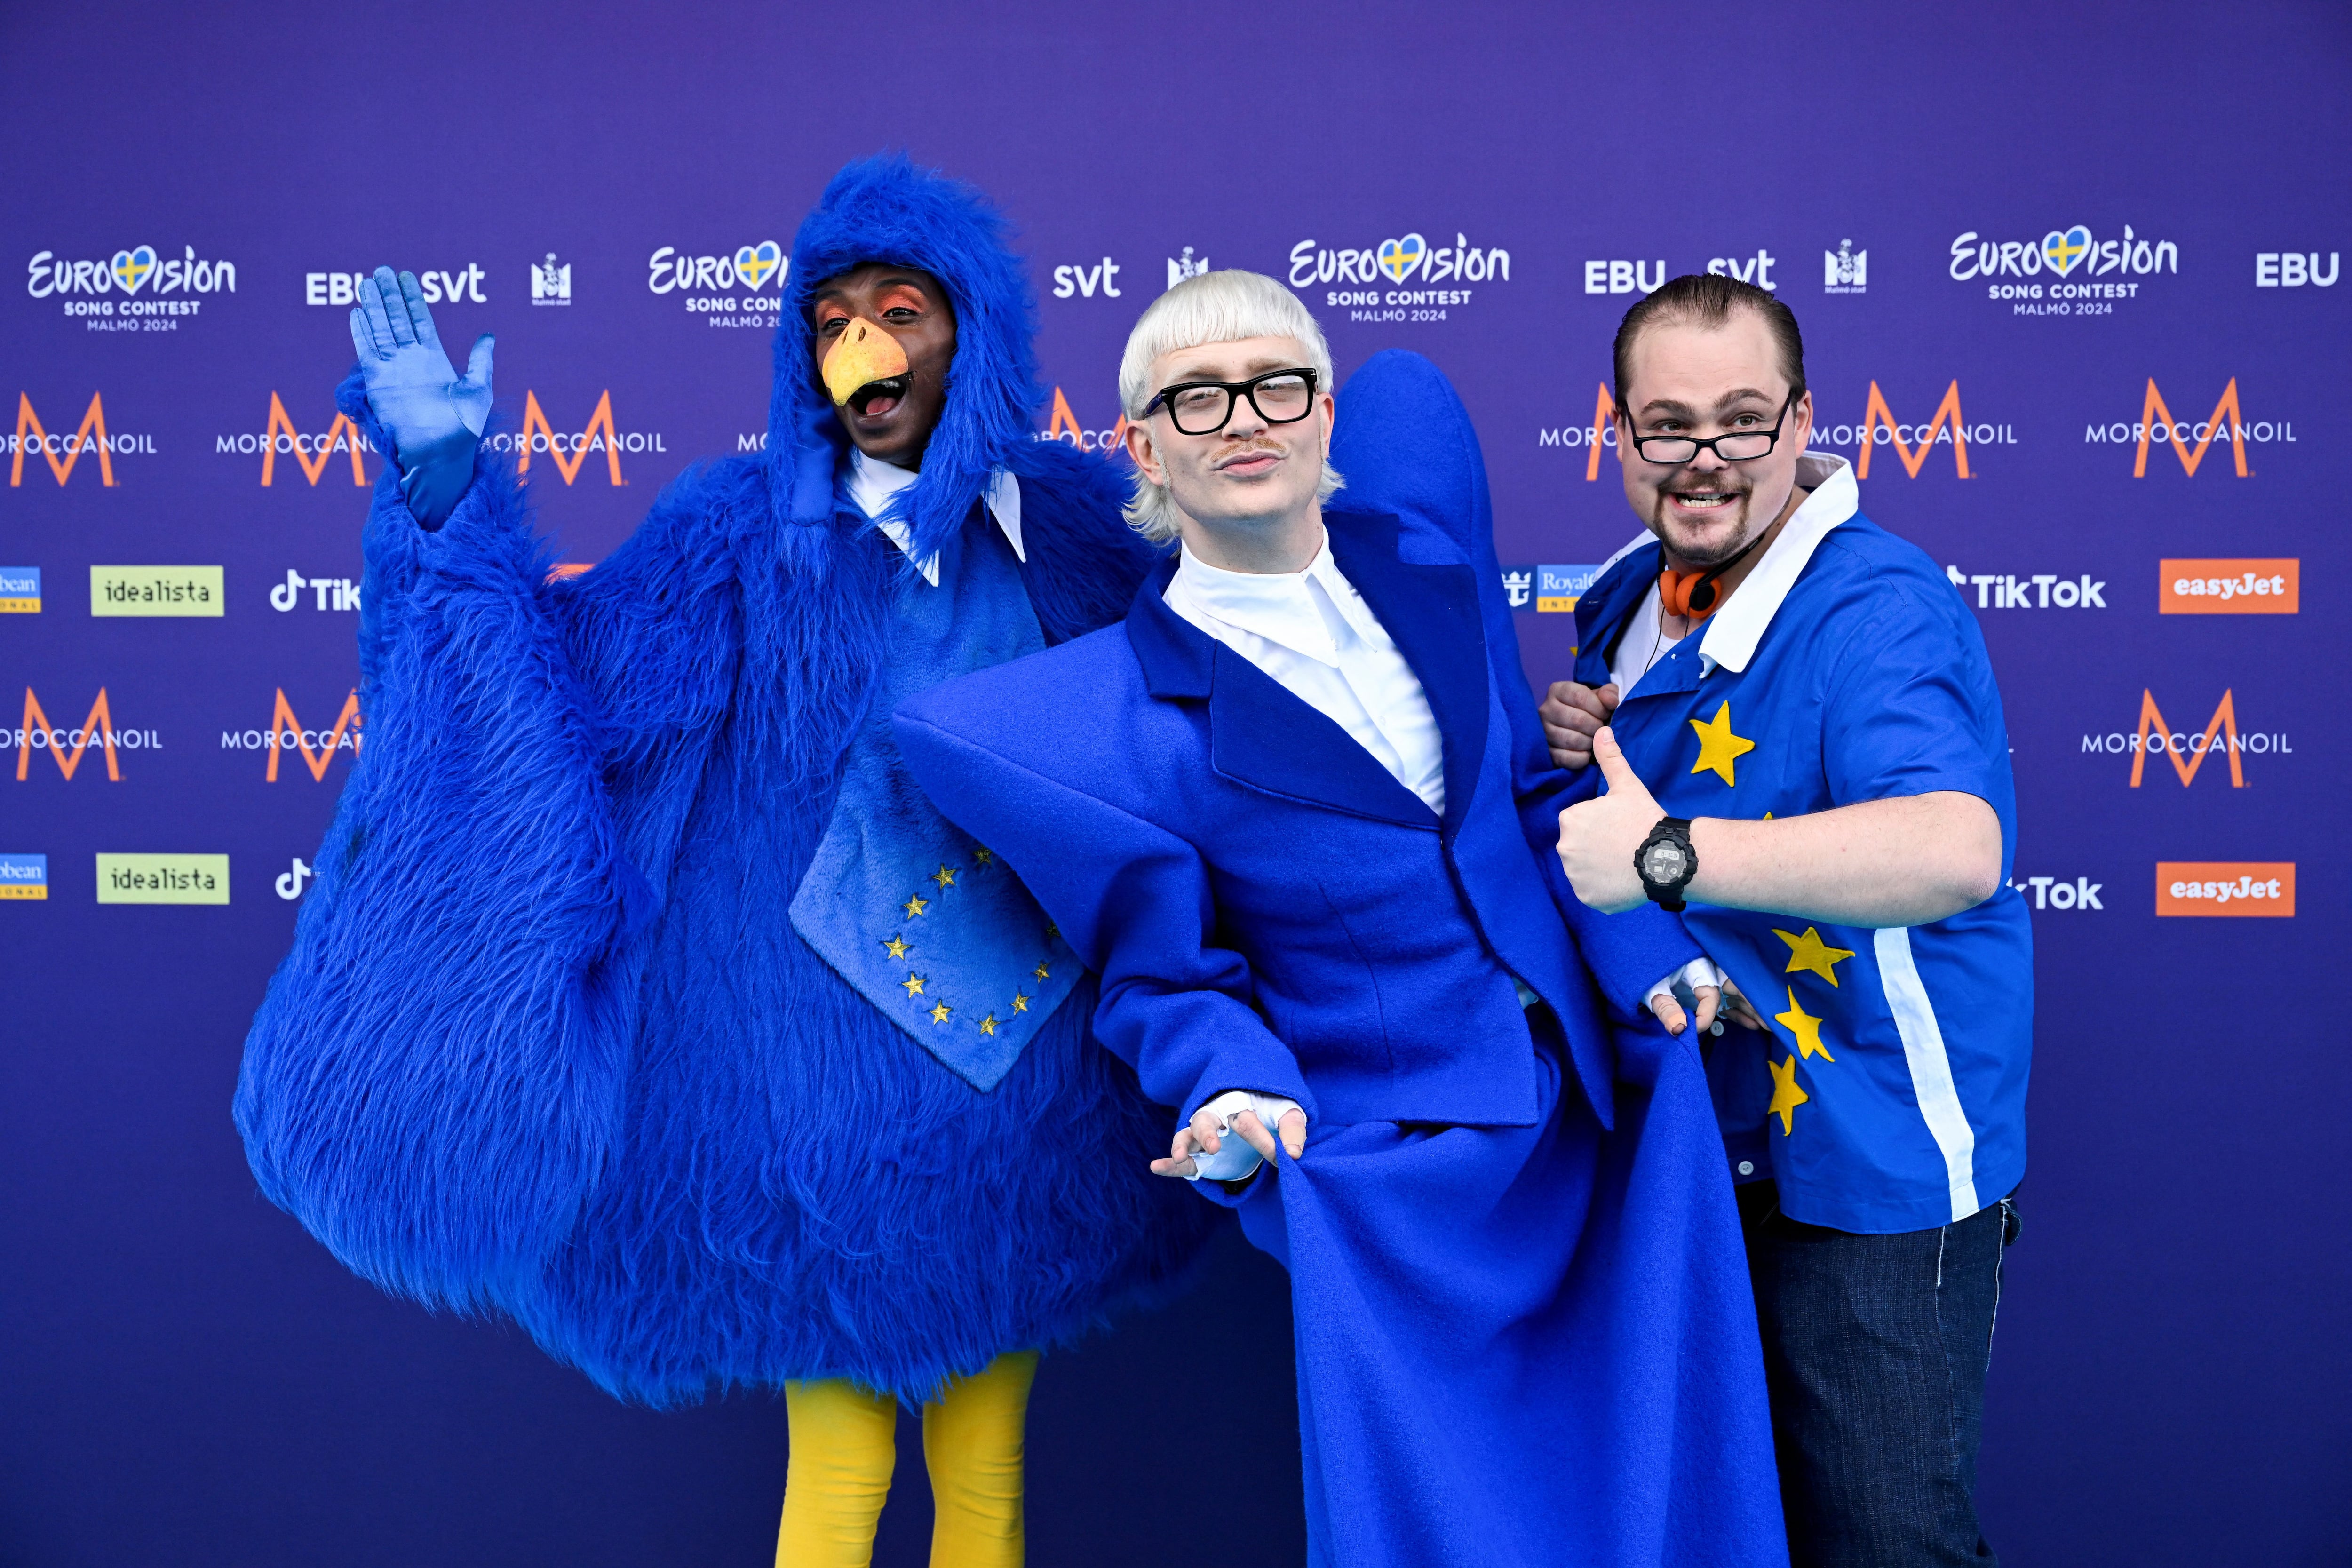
[(1211, 308)]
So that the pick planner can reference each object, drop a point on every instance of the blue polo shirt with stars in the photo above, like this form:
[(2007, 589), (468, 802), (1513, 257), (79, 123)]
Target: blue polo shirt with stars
[(1889, 1094)]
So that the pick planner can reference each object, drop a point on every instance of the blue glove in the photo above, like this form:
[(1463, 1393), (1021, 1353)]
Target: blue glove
[(435, 419)]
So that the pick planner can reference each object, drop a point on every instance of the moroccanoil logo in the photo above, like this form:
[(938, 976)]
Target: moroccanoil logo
[(1064, 426), (571, 453), (319, 747), (2188, 749), (62, 451), (1601, 432), (67, 747), (2230, 588), (2227, 422), (2255, 888), (280, 438), (1946, 427)]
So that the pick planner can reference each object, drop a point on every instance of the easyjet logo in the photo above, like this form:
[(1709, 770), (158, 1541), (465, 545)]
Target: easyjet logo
[(280, 436), (2228, 421), (286, 733), (2258, 887), (570, 453), (62, 451), (68, 747), (2188, 749), (2229, 587)]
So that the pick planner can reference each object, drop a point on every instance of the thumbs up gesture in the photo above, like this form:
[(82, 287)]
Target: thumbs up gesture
[(1598, 836)]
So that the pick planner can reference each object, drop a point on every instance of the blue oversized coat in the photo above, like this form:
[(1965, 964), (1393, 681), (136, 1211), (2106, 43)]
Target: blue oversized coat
[(1523, 1323), (547, 1041)]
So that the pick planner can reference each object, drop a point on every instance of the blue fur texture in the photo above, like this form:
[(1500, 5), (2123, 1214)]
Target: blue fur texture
[(547, 1044)]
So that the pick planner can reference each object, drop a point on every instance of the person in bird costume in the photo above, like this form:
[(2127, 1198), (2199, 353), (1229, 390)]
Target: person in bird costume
[(642, 995)]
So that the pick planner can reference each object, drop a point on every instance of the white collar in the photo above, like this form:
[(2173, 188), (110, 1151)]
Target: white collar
[(1276, 605), (1733, 632), (874, 485)]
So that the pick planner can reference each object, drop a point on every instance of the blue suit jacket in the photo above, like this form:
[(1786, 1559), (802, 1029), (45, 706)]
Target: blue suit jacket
[(1268, 908)]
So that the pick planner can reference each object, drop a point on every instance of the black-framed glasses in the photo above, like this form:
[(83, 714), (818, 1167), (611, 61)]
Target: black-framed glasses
[(1204, 407), (1737, 447)]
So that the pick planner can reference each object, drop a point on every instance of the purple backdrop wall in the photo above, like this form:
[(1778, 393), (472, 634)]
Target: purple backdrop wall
[(189, 1379)]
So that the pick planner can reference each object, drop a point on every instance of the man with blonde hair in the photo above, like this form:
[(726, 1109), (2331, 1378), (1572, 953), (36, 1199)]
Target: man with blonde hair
[(1296, 811)]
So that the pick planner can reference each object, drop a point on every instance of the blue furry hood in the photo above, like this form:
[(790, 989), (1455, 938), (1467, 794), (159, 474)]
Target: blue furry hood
[(885, 208)]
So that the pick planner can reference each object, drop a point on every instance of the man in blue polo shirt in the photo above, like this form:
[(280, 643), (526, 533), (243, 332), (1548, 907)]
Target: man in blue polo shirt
[(1802, 741)]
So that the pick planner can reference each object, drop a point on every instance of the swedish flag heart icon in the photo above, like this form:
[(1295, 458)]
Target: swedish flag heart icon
[(2062, 250), (1400, 258), (755, 264), (132, 267)]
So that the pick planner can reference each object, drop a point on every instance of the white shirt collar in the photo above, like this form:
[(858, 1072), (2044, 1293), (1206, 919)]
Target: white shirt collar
[(1733, 631), (874, 485), (1279, 606)]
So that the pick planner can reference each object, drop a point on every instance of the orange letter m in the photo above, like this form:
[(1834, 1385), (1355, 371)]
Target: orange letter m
[(1948, 416), (342, 430), (284, 726), (95, 419), (534, 418), (98, 727), (2154, 417), (2151, 721)]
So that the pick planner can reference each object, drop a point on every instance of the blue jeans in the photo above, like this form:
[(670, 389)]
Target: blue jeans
[(1876, 1349)]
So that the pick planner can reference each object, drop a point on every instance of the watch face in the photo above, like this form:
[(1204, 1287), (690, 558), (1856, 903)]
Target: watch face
[(1664, 862)]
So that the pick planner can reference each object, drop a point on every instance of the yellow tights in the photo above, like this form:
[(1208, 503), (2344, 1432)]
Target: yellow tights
[(844, 1449)]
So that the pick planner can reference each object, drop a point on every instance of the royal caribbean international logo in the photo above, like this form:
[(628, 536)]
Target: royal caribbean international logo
[(20, 590), (729, 288), (23, 877), (1401, 272), (138, 289), (2045, 269)]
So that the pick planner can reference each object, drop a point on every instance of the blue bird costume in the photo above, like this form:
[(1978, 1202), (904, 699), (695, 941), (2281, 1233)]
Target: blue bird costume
[(553, 1038)]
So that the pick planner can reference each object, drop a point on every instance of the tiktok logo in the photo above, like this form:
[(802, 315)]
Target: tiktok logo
[(289, 882)]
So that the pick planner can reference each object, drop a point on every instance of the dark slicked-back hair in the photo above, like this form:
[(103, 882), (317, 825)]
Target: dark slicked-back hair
[(1708, 299)]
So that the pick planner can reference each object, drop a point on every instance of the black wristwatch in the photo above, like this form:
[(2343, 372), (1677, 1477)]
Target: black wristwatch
[(1666, 862)]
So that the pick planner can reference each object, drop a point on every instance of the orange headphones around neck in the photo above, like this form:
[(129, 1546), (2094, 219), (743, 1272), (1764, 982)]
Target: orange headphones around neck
[(1688, 594)]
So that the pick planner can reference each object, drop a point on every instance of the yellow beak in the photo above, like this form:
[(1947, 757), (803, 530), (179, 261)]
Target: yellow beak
[(863, 353)]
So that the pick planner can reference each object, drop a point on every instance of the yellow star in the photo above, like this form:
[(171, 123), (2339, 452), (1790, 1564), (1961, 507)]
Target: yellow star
[(1020, 1002), (1810, 951), (940, 1014), (988, 1025), (944, 877), (984, 856), (1717, 746), (913, 984), (1786, 1095), (896, 947), (1040, 973), (1051, 930), (1806, 1027), (916, 906)]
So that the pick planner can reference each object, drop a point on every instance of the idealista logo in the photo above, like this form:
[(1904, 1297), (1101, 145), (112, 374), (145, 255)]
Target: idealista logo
[(2227, 587), (1397, 263), (20, 590), (2188, 749), (2112, 269), (728, 288), (341, 437), (2155, 422), (286, 733), (62, 451), (570, 452), (23, 877), (162, 878), (1845, 270), (66, 746), (87, 289), (2260, 888), (155, 591), (462, 285)]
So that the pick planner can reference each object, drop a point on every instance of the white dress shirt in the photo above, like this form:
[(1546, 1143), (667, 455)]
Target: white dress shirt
[(874, 485), (1313, 631)]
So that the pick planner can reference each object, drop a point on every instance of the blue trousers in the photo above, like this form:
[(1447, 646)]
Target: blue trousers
[(1876, 1349)]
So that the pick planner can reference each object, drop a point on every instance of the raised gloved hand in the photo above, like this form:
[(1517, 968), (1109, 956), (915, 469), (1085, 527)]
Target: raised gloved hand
[(435, 419)]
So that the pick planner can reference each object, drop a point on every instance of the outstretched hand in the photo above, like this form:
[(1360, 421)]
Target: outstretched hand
[(1598, 836), (433, 417)]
